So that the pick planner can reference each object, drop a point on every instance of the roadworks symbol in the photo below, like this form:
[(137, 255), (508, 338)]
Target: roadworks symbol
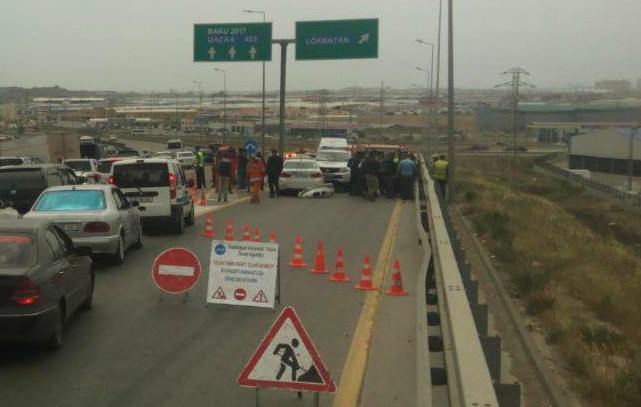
[(260, 297), (219, 294)]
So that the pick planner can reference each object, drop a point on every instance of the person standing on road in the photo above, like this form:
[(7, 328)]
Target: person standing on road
[(354, 165), (274, 168), (389, 176), (242, 168), (370, 167), (224, 173), (256, 172), (407, 174), (440, 175), (200, 168)]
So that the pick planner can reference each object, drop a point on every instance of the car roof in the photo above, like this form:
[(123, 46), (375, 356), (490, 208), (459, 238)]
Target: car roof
[(22, 225), (104, 160), (301, 159), (82, 187), (31, 166), (143, 160)]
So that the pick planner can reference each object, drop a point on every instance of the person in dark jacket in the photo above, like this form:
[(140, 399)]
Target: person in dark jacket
[(389, 176), (242, 169), (224, 174), (274, 168), (370, 169), (356, 178)]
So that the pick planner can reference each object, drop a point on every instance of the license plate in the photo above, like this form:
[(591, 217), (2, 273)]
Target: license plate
[(143, 199), (71, 227)]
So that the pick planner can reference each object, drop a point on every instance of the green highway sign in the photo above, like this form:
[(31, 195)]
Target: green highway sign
[(233, 42), (337, 39)]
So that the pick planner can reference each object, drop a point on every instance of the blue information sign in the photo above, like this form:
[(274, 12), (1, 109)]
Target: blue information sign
[(251, 146)]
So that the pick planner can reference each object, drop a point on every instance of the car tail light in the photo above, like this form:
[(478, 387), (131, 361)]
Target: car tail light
[(110, 180), (172, 186), (316, 175), (97, 227), (285, 175), (25, 293)]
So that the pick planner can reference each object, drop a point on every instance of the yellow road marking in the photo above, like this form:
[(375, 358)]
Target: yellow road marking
[(351, 381), (209, 209)]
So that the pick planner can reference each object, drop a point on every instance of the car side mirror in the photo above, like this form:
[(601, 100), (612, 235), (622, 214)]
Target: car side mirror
[(84, 251)]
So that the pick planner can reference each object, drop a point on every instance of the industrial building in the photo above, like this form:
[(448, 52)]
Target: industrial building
[(607, 150)]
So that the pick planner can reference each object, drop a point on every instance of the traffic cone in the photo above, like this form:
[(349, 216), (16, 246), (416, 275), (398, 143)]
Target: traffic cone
[(319, 263), (339, 276), (203, 199), (257, 237), (229, 230), (246, 236), (366, 277), (272, 237), (209, 229), (396, 288), (297, 260)]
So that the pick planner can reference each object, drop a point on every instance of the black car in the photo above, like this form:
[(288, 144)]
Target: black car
[(22, 184), (44, 279)]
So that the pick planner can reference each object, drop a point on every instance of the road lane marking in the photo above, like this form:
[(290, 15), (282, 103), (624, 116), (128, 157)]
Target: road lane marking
[(353, 373), (200, 210)]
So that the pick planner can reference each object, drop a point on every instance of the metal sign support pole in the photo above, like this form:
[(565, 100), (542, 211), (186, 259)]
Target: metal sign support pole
[(316, 399), (283, 77), (278, 279), (257, 396)]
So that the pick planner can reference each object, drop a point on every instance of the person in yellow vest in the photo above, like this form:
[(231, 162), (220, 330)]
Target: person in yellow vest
[(440, 175)]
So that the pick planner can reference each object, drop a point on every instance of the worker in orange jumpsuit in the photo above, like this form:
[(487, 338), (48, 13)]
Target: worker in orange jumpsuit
[(256, 173)]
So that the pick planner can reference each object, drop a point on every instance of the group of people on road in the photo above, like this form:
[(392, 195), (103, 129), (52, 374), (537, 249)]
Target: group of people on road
[(375, 173), (246, 171)]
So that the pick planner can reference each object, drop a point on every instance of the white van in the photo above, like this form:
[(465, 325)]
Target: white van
[(333, 143), (175, 145), (160, 186)]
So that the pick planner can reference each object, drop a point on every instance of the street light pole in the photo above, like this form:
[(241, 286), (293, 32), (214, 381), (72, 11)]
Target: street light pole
[(450, 101), (262, 128), (431, 80), (224, 102)]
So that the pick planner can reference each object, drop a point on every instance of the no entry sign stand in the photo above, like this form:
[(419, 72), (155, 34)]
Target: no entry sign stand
[(176, 271)]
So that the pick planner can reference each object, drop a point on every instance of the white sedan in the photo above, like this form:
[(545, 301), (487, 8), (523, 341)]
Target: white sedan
[(186, 158), (300, 173)]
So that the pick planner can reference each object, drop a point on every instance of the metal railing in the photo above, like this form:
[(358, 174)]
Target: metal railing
[(468, 375)]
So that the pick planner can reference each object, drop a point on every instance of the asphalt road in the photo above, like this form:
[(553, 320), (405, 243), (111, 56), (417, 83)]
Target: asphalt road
[(134, 350)]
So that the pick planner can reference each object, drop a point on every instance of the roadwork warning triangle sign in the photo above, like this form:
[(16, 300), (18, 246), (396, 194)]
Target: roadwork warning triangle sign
[(219, 294), (287, 359), (260, 297)]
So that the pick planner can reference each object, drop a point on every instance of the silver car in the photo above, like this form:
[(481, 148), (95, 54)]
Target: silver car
[(97, 216)]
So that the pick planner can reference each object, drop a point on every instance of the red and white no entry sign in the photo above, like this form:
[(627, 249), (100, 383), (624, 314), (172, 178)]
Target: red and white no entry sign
[(176, 270)]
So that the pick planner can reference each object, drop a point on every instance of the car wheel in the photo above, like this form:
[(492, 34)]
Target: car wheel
[(88, 304), (119, 255), (57, 335), (138, 243), (191, 219), (179, 225)]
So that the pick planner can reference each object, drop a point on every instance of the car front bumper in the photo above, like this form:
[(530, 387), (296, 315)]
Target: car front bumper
[(293, 183), (28, 327), (337, 177), (99, 244)]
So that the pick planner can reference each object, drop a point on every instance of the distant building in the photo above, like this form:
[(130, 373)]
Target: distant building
[(606, 150), (618, 86), (9, 113)]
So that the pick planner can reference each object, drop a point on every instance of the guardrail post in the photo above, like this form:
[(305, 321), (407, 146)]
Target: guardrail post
[(492, 349), (480, 314), (508, 394)]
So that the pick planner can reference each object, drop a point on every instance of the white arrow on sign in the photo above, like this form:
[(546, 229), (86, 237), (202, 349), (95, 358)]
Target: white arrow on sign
[(211, 52), (252, 52), (232, 52), (364, 38)]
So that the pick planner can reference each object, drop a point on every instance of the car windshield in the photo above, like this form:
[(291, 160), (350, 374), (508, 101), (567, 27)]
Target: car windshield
[(105, 166), (79, 165), (185, 154), (16, 250), (128, 153), (174, 146), (22, 177), (300, 165), (141, 175), (336, 156), (10, 161), (71, 200)]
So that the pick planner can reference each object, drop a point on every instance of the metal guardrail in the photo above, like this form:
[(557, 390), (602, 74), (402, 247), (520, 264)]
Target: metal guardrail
[(468, 375)]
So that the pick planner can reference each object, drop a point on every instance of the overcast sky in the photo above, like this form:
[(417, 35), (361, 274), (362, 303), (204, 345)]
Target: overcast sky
[(146, 45)]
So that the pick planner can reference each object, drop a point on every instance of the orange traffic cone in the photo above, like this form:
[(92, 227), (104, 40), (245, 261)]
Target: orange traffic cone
[(397, 281), (272, 237), (257, 235), (203, 199), (366, 276), (297, 260), (246, 236), (339, 276), (319, 263), (209, 229), (229, 230)]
